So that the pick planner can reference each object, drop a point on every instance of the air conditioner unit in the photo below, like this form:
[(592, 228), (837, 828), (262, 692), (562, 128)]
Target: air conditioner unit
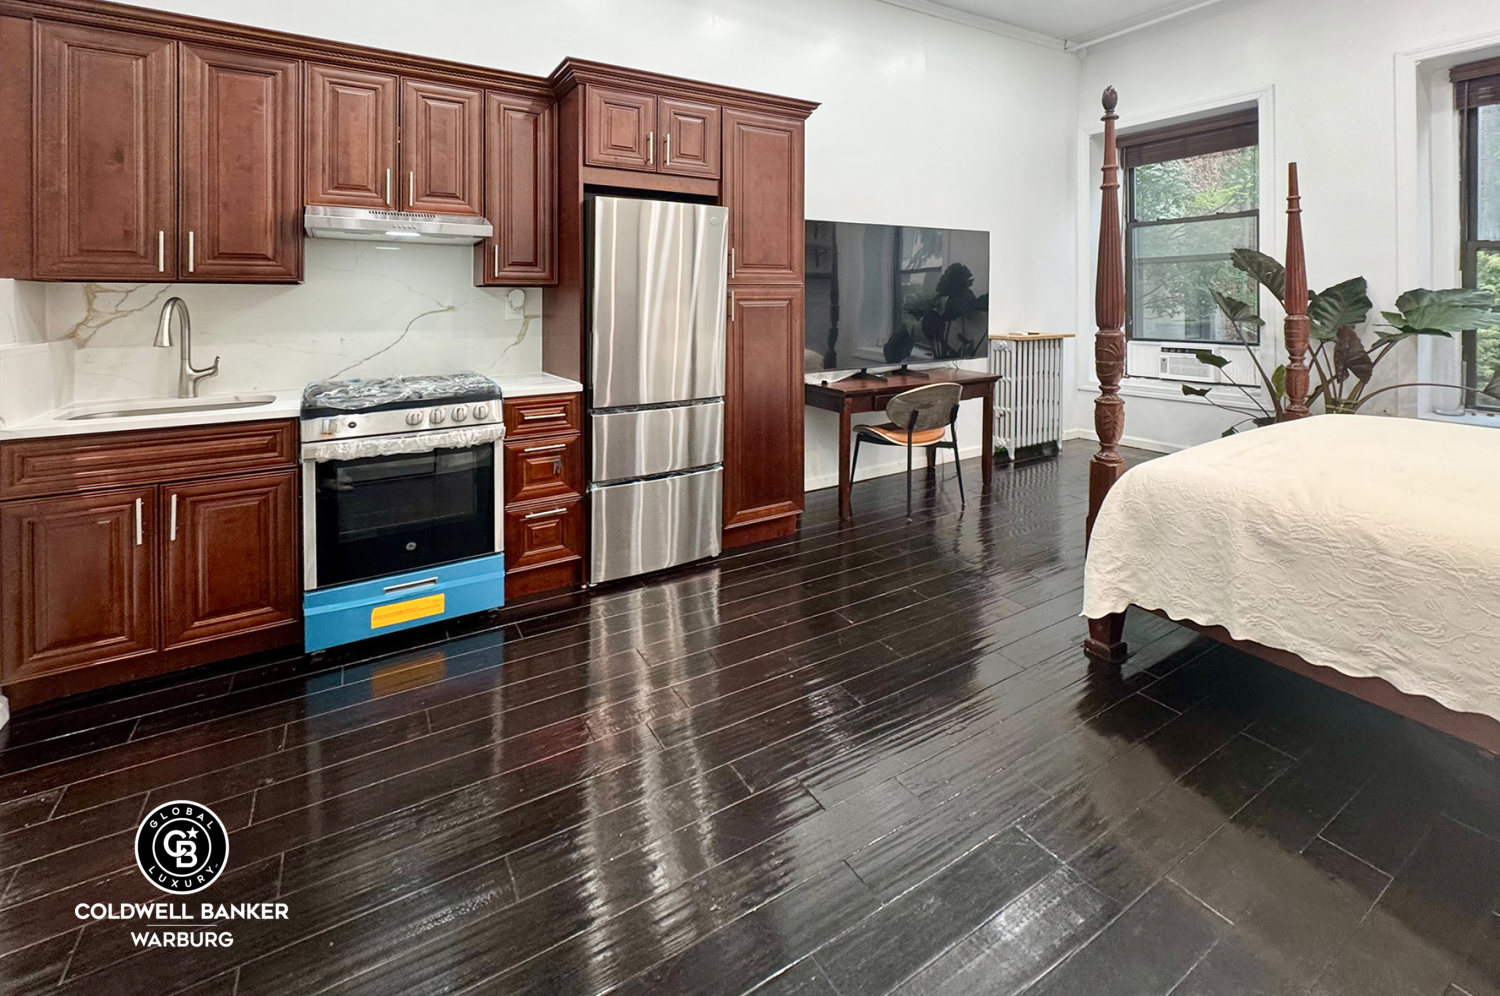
[(1182, 363)]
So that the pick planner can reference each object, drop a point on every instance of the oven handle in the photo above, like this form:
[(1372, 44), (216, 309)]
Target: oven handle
[(407, 586), (411, 442)]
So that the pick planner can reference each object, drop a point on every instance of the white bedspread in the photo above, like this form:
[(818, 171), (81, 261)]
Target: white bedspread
[(1366, 544)]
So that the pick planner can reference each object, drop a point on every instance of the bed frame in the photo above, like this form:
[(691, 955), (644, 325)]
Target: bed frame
[(1105, 642)]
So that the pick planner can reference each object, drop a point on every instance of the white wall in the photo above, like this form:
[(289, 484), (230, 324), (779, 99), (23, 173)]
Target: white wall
[(1347, 109), (924, 122)]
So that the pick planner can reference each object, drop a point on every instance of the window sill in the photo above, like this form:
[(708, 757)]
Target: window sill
[(1489, 420)]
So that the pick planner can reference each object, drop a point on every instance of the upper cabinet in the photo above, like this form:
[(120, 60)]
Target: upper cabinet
[(689, 137), (351, 138), (655, 134), (391, 143), (763, 191), (442, 148), (241, 152), (106, 155), (160, 160), (520, 192)]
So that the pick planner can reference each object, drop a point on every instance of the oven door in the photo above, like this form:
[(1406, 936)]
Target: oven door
[(376, 516)]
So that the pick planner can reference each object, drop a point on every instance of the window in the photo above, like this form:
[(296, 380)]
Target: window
[(1477, 93), (1192, 195)]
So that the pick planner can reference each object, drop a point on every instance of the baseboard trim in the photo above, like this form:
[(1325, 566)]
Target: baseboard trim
[(1135, 442)]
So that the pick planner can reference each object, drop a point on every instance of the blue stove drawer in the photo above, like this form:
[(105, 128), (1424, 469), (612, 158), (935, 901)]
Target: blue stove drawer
[(350, 612)]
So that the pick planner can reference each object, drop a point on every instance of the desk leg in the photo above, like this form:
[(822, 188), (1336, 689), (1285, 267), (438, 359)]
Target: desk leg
[(931, 458), (987, 455), (846, 484)]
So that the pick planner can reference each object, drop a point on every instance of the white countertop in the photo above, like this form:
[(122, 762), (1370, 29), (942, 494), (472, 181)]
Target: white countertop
[(205, 411)]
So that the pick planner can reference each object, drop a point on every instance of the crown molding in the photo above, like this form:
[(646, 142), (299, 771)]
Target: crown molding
[(990, 24)]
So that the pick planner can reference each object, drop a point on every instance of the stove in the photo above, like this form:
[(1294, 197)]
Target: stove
[(402, 485)]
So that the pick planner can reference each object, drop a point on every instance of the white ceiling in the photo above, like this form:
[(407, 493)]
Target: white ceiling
[(1072, 21)]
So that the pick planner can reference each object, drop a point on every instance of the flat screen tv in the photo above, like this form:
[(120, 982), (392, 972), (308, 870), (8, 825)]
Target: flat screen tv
[(882, 296)]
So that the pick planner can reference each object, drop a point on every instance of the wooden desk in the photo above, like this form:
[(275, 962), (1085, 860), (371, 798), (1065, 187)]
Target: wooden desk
[(849, 396)]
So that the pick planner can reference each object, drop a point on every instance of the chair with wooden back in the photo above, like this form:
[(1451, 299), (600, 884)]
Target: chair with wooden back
[(920, 417)]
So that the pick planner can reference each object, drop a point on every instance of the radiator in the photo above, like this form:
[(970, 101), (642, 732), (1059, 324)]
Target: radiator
[(1028, 396)]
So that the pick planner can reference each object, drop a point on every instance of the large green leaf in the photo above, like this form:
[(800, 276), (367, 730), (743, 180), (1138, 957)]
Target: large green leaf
[(1442, 312), (1267, 272), (1212, 359), (1492, 389), (1195, 392), (1237, 311), (1278, 381), (1351, 357), (1343, 305)]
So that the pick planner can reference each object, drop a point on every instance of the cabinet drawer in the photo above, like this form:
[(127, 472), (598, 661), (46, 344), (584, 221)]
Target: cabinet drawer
[(35, 467), (539, 416), (543, 533), (543, 467)]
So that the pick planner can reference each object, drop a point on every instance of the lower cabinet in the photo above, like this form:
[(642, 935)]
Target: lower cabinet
[(544, 525), (763, 414), (79, 579), (110, 583), (229, 560)]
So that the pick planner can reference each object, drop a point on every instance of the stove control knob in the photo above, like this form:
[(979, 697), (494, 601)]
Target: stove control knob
[(481, 411), (437, 416), (413, 418), (460, 413)]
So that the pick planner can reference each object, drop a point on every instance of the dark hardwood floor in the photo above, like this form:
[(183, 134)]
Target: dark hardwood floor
[(864, 760)]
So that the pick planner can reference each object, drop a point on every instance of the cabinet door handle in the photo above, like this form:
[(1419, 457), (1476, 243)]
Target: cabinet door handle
[(161, 252), (731, 262), (540, 515), (545, 449), (666, 149), (731, 305), (497, 259), (387, 186), (411, 187), (140, 534), (190, 251), (651, 148), (544, 415), (172, 527)]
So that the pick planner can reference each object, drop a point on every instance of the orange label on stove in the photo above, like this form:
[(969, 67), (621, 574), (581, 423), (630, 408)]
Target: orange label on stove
[(400, 612)]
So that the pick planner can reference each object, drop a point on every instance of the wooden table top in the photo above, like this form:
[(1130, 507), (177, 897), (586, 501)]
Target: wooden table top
[(896, 383)]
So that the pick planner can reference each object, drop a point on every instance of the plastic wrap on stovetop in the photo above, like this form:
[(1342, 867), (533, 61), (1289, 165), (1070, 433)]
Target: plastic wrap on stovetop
[(384, 393)]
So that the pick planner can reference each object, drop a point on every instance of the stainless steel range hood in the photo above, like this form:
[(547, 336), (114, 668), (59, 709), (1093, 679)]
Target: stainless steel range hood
[(322, 222)]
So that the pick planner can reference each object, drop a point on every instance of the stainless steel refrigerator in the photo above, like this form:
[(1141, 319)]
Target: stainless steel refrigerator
[(655, 386)]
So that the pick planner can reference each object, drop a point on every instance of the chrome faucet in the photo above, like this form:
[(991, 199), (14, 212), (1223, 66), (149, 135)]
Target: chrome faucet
[(188, 375)]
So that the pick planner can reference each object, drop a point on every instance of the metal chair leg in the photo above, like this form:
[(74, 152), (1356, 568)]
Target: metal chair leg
[(854, 464), (958, 471), (908, 482)]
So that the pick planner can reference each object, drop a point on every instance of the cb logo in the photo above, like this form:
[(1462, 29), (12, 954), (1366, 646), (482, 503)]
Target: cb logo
[(181, 847)]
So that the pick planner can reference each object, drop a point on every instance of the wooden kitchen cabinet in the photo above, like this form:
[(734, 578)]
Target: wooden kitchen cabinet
[(651, 133), (763, 190), (619, 129), (544, 478), (105, 174), (229, 562), (352, 129), (763, 413), (79, 578), (128, 554), (240, 115), (690, 137), (520, 192), (442, 148)]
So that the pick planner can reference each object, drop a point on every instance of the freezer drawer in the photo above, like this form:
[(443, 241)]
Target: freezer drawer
[(657, 302), (650, 441), (643, 526)]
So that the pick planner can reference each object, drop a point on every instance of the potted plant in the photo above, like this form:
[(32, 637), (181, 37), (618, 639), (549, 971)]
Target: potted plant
[(1340, 360)]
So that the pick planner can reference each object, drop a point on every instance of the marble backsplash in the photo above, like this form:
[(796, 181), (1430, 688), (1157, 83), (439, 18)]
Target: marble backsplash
[(364, 310)]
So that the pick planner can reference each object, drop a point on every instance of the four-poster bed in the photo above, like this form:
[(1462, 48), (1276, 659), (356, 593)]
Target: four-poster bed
[(1361, 552)]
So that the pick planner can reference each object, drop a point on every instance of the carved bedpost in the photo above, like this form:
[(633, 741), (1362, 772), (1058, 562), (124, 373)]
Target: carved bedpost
[(1296, 303), (1106, 636)]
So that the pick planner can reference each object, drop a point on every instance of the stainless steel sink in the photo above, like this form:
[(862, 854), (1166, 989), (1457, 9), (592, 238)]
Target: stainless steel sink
[(158, 406)]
